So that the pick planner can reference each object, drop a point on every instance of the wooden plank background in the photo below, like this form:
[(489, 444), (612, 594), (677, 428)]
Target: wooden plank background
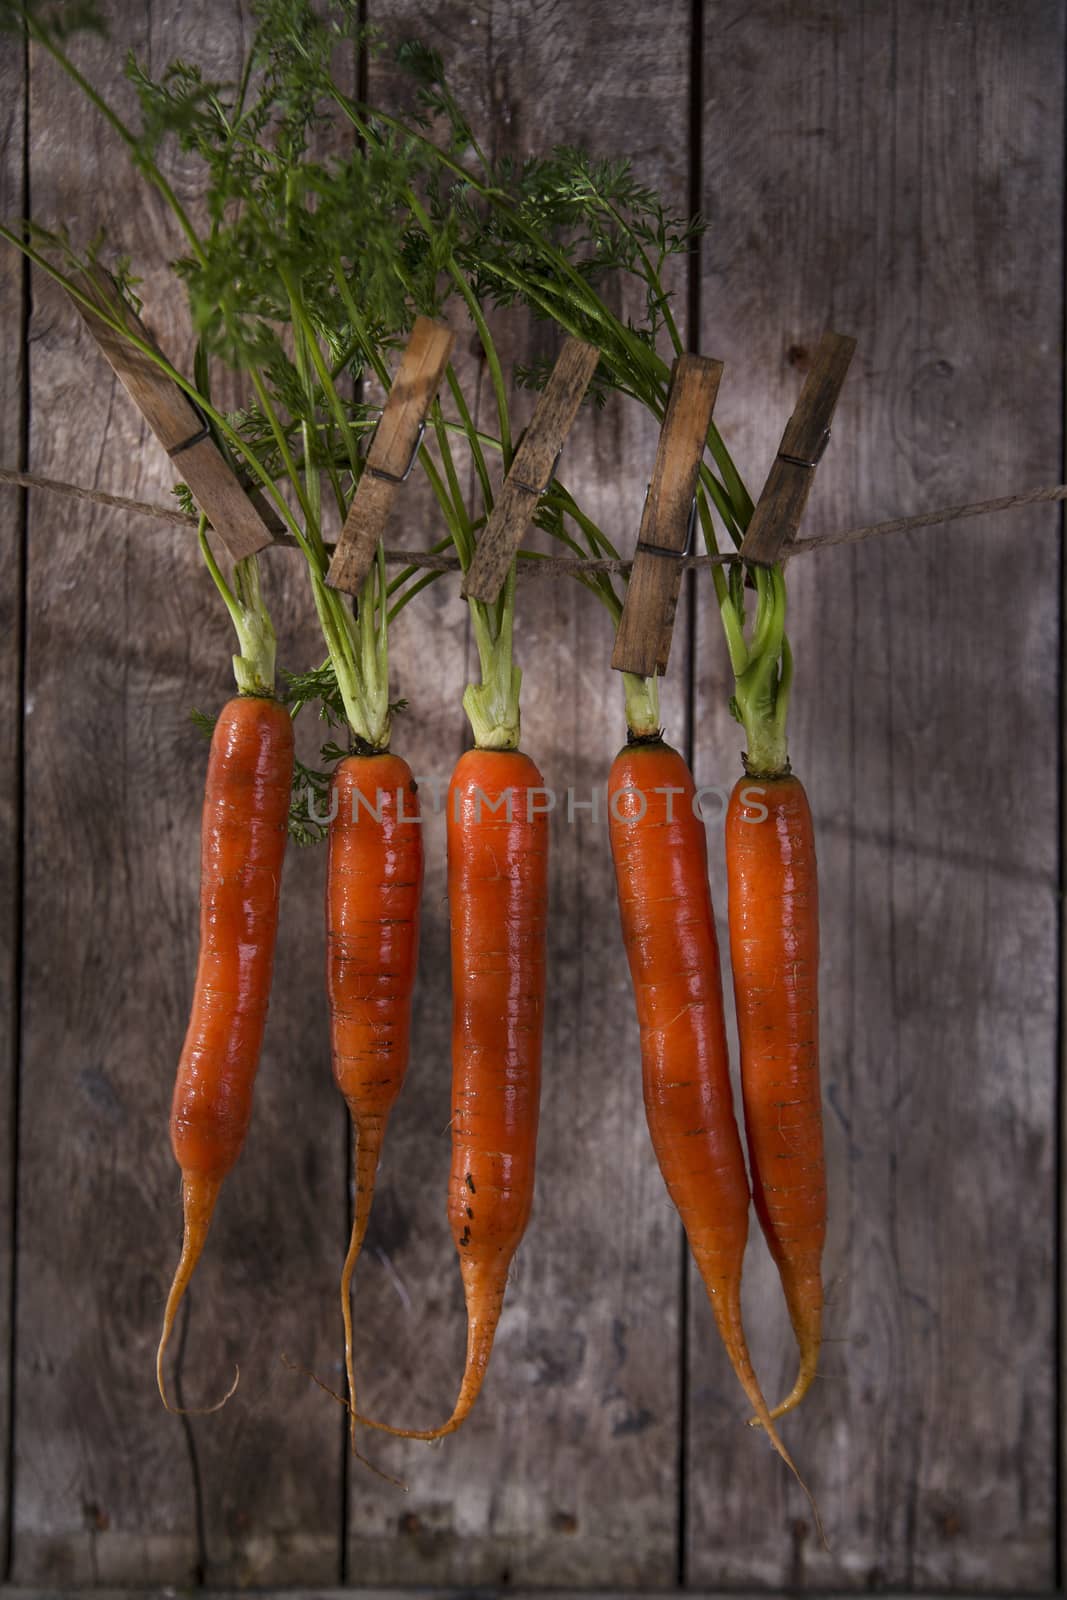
[(892, 170), (13, 419)]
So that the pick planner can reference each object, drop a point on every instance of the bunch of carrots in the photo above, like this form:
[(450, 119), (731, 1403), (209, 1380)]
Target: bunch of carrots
[(305, 281)]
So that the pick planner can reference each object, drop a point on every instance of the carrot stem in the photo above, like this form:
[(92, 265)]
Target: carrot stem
[(762, 688), (253, 666), (642, 705), (492, 706)]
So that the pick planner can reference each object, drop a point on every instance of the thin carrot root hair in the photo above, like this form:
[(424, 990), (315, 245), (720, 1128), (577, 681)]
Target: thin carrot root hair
[(199, 1195), (368, 1150), (305, 1372)]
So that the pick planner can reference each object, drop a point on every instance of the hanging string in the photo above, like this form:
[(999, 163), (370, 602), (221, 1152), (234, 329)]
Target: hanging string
[(571, 566)]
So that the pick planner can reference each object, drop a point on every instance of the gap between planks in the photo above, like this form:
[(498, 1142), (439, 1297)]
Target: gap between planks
[(1059, 1464)]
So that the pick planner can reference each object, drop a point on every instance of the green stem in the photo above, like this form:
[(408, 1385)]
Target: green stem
[(456, 523), (473, 438), (641, 360), (358, 646), (359, 329), (764, 671), (496, 373), (549, 516), (651, 275), (493, 705), (580, 295), (455, 490), (450, 495), (253, 666), (599, 543), (361, 667), (642, 705), (761, 694), (313, 352), (733, 622), (266, 405), (413, 589), (630, 358), (739, 497), (407, 573), (720, 498), (718, 576)]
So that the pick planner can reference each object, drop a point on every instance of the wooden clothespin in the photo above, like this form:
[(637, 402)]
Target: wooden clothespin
[(785, 494), (392, 452), (643, 639), (175, 421), (532, 469)]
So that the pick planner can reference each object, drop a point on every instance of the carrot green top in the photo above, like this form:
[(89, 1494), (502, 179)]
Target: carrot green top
[(307, 275)]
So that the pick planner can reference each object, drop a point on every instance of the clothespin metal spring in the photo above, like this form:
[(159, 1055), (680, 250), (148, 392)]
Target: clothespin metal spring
[(662, 550), (531, 488), (399, 477), (194, 438), (811, 462)]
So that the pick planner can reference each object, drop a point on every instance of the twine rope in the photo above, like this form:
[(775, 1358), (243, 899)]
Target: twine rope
[(572, 566)]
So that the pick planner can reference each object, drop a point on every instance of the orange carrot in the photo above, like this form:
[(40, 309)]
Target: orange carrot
[(373, 888), (498, 897), (774, 950), (661, 867), (245, 822)]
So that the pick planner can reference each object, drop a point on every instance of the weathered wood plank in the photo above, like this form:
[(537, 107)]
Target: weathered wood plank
[(891, 170), (929, 1446), (125, 636), (12, 578), (566, 1472)]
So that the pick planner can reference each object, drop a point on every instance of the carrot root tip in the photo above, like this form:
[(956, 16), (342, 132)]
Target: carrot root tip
[(198, 1411), (199, 1195)]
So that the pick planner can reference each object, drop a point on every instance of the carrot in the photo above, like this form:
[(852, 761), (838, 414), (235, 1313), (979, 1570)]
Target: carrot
[(661, 867), (373, 888), (245, 820), (774, 949), (498, 900)]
